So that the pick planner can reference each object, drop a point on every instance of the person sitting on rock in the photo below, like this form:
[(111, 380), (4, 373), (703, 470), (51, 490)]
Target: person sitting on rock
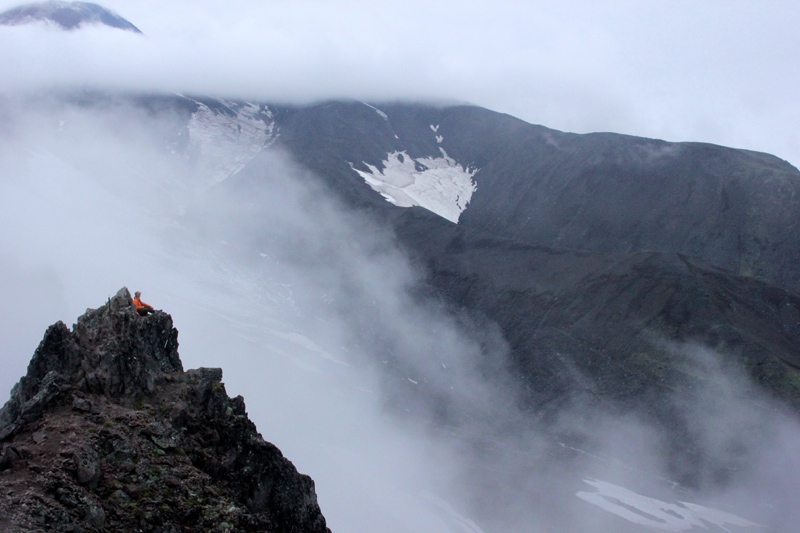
[(142, 308)]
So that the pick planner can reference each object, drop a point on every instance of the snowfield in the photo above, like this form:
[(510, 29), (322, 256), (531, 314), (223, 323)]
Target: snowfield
[(224, 143), (439, 184), (680, 516)]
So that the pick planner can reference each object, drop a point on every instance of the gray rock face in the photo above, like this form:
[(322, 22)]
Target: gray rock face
[(106, 431), (593, 254), (600, 192), (112, 352)]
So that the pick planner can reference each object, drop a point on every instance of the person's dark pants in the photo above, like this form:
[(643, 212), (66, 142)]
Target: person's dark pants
[(144, 311)]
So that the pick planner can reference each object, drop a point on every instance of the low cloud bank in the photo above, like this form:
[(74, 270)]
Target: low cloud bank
[(299, 301), (683, 71)]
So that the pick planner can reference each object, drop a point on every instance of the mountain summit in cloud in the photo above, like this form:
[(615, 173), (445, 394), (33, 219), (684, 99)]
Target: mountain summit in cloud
[(68, 15)]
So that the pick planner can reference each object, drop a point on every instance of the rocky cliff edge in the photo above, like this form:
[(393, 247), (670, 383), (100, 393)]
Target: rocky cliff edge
[(106, 432)]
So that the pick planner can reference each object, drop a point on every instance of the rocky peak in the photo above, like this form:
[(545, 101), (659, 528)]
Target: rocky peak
[(107, 432), (66, 15), (112, 351)]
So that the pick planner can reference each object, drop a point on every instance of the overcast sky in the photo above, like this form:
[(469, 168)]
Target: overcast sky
[(717, 71)]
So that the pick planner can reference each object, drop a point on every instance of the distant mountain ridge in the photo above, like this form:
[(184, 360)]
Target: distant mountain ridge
[(594, 255), (733, 209), (67, 15)]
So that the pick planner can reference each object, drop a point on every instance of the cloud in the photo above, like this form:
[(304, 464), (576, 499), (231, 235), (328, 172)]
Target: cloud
[(297, 299), (717, 71), (92, 200)]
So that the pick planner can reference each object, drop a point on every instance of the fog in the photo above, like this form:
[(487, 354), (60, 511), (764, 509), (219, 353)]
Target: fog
[(73, 233), (713, 71), (399, 408), (297, 300)]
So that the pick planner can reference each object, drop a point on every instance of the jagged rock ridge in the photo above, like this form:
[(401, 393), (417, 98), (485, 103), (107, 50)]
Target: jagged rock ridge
[(107, 432)]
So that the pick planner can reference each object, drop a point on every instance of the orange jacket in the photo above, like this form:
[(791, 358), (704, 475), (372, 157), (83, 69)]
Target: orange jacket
[(140, 304)]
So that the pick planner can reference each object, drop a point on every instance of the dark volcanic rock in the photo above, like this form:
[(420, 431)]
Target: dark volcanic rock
[(584, 249), (107, 433), (601, 192), (586, 244), (621, 332), (610, 316)]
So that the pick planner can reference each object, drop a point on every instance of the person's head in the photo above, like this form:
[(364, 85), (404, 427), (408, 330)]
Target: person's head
[(137, 294)]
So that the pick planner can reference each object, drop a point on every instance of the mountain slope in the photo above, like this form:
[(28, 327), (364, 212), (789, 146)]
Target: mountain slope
[(624, 275), (604, 192), (614, 266), (729, 213)]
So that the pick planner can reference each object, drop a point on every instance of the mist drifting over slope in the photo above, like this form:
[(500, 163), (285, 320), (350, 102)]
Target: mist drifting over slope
[(317, 320), (399, 408), (91, 204)]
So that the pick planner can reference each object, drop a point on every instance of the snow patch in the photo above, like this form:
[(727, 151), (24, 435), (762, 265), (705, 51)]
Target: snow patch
[(434, 128), (224, 143), (304, 342), (378, 111), (657, 514), (456, 521), (439, 139), (438, 184)]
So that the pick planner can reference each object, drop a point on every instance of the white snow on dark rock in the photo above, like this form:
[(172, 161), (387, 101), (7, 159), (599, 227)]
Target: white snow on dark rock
[(225, 142), (657, 514), (439, 184)]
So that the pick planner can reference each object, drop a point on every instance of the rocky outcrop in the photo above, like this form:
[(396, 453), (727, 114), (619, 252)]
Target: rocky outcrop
[(106, 432)]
